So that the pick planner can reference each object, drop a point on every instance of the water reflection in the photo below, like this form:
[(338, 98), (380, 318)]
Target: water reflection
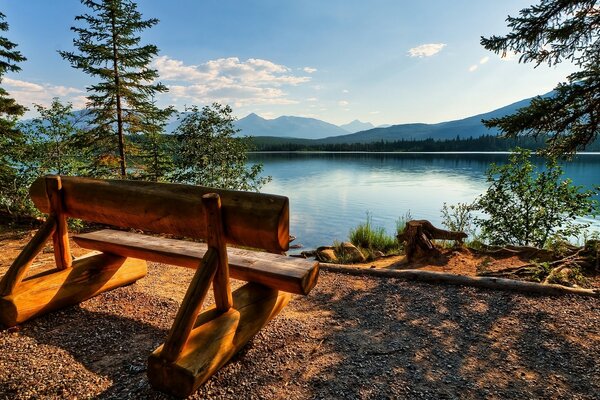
[(331, 192)]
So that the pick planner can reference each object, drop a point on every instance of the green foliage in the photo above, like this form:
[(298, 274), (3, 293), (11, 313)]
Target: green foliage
[(371, 238), (401, 222), (208, 154), (44, 148), (155, 149), (527, 207), (13, 172), (548, 33), (540, 271), (50, 139), (120, 103), (459, 217)]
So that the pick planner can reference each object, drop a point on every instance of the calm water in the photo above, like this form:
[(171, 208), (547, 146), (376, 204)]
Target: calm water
[(331, 192)]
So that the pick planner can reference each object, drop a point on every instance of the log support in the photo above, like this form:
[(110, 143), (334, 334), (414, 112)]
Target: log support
[(89, 276), (71, 282), (60, 237), (199, 344), (216, 337)]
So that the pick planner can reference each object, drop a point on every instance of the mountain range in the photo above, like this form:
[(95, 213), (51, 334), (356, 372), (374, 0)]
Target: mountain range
[(295, 129), (310, 130)]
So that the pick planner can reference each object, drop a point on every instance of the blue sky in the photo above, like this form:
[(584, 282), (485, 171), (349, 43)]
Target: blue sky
[(382, 61)]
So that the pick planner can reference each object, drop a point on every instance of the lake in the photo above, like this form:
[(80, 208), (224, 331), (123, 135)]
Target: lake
[(331, 192)]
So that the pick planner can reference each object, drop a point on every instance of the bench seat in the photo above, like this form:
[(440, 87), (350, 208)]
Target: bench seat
[(290, 274)]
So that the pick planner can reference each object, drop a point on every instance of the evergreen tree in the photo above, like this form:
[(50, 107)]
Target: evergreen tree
[(11, 139), (155, 148), (549, 33), (109, 49), (208, 154)]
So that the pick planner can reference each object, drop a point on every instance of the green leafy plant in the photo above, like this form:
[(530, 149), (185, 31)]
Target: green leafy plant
[(208, 154), (372, 238), (459, 217), (525, 206), (401, 222)]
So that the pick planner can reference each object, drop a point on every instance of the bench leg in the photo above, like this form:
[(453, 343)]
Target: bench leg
[(216, 337), (90, 275)]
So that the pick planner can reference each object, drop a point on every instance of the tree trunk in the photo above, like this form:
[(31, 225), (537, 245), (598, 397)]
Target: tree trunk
[(418, 235), (118, 98)]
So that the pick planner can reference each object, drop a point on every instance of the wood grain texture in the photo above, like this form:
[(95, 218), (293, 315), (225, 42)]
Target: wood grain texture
[(20, 266), (290, 274), (250, 219), (216, 338), (60, 237), (190, 306), (89, 276), (216, 239)]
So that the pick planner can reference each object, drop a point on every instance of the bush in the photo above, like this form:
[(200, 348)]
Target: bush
[(526, 207), (458, 218)]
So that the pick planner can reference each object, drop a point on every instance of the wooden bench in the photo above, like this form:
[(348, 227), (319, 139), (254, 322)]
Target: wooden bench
[(198, 343)]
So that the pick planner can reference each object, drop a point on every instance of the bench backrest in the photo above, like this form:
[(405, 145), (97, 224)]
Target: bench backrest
[(249, 219)]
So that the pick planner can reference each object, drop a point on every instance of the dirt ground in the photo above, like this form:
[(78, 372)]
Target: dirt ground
[(463, 261), (351, 338)]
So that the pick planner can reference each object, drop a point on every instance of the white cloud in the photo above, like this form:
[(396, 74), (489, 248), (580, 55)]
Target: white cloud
[(309, 70), (375, 112), (343, 103), (312, 99), (229, 80), (345, 91), (29, 93), (484, 60), (426, 50), (473, 68)]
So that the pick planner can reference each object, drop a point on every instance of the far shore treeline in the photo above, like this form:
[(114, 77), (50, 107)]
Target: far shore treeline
[(482, 143)]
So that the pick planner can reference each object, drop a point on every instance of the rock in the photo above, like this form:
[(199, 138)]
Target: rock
[(378, 254), (351, 253), (326, 254), (309, 253), (296, 246)]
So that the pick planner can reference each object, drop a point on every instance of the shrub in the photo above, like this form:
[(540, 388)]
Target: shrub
[(527, 207), (458, 217)]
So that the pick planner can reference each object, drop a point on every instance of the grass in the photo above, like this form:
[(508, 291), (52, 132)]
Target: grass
[(370, 239)]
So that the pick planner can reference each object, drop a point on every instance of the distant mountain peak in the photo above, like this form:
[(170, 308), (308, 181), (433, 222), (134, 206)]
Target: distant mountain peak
[(357, 126), (287, 126)]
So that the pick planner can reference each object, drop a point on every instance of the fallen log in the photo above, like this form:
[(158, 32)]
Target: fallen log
[(462, 280)]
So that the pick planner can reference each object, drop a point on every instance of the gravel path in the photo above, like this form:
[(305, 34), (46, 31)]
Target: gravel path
[(352, 338)]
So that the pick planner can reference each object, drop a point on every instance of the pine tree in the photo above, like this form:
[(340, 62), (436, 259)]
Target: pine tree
[(11, 139), (109, 49), (549, 33), (155, 148)]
